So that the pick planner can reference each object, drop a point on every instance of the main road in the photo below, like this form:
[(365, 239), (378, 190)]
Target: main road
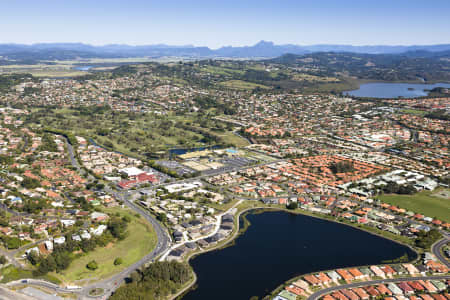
[(110, 284)]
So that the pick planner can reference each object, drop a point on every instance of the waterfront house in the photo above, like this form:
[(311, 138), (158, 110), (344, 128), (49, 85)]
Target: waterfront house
[(411, 269), (296, 290), (345, 275), (378, 272), (301, 284), (356, 273), (312, 280), (335, 277)]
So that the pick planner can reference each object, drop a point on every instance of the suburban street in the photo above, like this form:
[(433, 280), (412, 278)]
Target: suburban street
[(163, 246), (436, 249), (323, 292)]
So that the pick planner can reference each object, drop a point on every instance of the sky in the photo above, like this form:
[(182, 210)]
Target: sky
[(216, 23)]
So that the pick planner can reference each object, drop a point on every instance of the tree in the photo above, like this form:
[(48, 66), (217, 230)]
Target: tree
[(30, 183), (292, 205), (426, 239), (13, 242), (92, 265), (118, 261), (34, 257), (118, 227), (162, 217), (3, 260), (154, 282)]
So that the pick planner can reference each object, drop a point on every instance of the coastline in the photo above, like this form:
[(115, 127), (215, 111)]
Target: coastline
[(238, 231)]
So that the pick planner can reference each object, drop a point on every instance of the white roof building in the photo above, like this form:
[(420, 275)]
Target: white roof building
[(67, 223), (85, 235), (59, 240), (99, 230), (36, 249), (132, 171), (48, 245)]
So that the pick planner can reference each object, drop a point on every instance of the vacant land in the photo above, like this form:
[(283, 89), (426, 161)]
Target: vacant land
[(431, 204), (11, 273), (243, 85), (231, 138), (140, 241), (414, 112)]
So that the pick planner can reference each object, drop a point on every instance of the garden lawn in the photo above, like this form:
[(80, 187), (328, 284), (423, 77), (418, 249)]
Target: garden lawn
[(140, 241), (424, 202)]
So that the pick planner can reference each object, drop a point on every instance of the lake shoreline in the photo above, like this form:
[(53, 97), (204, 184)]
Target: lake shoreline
[(393, 89), (238, 231)]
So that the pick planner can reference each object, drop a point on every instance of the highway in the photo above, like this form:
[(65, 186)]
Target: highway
[(325, 291)]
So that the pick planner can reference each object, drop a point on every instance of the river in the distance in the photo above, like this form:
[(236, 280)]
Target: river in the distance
[(394, 90), (278, 246)]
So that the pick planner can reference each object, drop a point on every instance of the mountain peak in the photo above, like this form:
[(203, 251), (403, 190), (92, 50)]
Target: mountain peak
[(263, 43)]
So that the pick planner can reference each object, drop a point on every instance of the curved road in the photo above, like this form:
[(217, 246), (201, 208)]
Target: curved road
[(323, 292), (109, 285), (436, 249)]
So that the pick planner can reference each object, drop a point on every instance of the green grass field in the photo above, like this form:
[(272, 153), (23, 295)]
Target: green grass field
[(242, 85), (425, 202), (414, 112), (231, 138), (11, 273), (140, 241)]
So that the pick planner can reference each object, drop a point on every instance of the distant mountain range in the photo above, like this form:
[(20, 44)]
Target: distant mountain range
[(263, 49)]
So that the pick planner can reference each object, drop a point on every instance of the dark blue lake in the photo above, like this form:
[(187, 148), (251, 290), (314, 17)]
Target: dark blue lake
[(394, 90), (278, 246)]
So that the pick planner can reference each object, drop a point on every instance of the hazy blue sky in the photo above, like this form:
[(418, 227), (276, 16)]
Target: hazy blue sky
[(216, 23)]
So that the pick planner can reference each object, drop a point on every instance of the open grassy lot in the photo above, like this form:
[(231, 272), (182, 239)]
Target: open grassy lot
[(140, 241), (230, 138), (242, 85), (414, 112), (431, 204), (11, 273), (221, 70)]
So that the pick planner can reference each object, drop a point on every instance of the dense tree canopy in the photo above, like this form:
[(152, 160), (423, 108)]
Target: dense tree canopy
[(154, 282)]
